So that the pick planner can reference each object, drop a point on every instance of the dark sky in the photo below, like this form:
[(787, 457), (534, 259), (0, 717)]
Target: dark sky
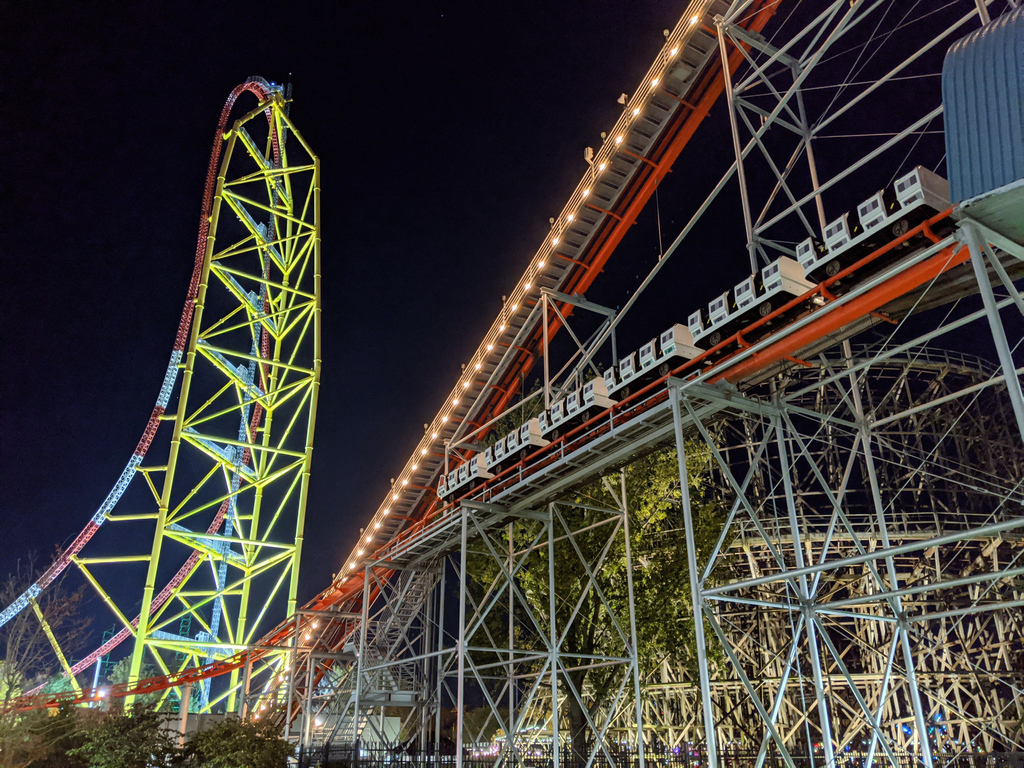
[(448, 133)]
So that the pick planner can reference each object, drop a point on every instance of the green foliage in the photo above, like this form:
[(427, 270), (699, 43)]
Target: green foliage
[(661, 588), (234, 743), (513, 419), (136, 740), (120, 674)]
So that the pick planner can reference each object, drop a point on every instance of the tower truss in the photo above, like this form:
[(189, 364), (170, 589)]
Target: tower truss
[(222, 496)]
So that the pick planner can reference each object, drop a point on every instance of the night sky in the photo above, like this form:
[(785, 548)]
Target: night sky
[(448, 133)]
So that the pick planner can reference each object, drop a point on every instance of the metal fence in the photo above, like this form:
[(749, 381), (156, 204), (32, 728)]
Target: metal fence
[(541, 756)]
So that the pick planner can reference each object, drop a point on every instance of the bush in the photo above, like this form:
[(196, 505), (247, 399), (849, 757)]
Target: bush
[(136, 740), (235, 743)]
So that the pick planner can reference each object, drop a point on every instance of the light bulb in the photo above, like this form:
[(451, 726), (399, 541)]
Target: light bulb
[(433, 435), (570, 217), (307, 636), (405, 482), (694, 19), (636, 111), (369, 539), (394, 497), (386, 512), (444, 419), (360, 553), (455, 401), (415, 467), (491, 346), (654, 81), (316, 624), (515, 307), (541, 263), (376, 527), (423, 451), (554, 241), (674, 51), (618, 140), (501, 327), (477, 366), (586, 192), (602, 166), (528, 285)]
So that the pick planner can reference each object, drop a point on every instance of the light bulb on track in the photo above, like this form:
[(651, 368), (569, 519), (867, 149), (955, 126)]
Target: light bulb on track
[(636, 111), (586, 192)]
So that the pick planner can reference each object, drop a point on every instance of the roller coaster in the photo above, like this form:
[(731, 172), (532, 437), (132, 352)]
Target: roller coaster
[(376, 638)]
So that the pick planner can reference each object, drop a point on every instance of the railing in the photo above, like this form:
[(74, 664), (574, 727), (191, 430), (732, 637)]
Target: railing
[(542, 756)]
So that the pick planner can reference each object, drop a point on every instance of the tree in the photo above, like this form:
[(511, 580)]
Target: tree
[(28, 657), (136, 740), (234, 743), (29, 660), (120, 674), (661, 589)]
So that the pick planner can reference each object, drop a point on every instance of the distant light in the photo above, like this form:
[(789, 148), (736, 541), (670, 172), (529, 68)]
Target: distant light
[(102, 693), (477, 366), (694, 19), (515, 307), (359, 552), (674, 51), (491, 346), (386, 512), (350, 566), (405, 481), (465, 385), (369, 539), (444, 419), (654, 82), (433, 435), (554, 241), (415, 467), (570, 217), (394, 496), (539, 264), (602, 166), (618, 140), (316, 624), (423, 451), (586, 192), (528, 286), (376, 526), (636, 111), (501, 327), (307, 636)]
